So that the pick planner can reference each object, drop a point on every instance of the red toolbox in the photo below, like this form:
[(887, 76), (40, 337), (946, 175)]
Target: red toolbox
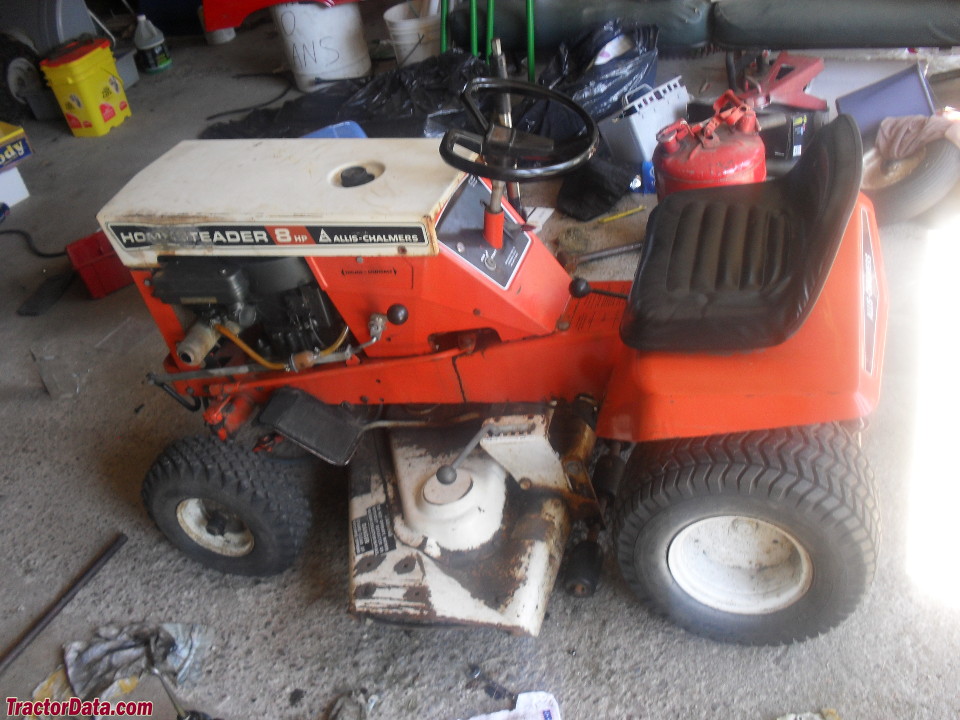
[(724, 150), (98, 265)]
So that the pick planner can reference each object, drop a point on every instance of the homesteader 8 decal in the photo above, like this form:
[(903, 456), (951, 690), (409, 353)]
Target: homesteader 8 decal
[(220, 235)]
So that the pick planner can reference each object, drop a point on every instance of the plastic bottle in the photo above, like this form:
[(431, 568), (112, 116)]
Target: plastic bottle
[(152, 53)]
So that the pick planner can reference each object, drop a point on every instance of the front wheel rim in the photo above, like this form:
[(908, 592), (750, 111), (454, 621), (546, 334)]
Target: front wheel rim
[(741, 565), (22, 78), (214, 528)]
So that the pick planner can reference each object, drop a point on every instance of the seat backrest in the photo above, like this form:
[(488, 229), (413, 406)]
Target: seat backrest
[(823, 187)]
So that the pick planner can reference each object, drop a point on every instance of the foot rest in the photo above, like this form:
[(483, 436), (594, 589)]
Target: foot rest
[(328, 431)]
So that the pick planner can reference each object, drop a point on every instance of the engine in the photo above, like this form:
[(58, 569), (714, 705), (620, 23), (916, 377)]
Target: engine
[(274, 304)]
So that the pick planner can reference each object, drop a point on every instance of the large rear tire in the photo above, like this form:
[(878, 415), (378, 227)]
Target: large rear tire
[(759, 538), (226, 507)]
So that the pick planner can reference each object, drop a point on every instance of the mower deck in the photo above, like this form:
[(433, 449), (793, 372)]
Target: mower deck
[(484, 550)]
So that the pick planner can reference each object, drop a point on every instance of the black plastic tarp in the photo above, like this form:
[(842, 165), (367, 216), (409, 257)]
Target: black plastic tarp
[(597, 87), (414, 101)]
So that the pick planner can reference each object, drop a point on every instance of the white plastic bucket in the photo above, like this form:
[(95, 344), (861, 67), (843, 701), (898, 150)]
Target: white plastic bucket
[(322, 43), (414, 38)]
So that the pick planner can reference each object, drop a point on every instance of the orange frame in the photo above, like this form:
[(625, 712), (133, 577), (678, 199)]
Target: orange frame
[(471, 341)]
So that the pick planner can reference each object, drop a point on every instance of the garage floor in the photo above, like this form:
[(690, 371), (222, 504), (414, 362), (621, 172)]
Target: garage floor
[(285, 647)]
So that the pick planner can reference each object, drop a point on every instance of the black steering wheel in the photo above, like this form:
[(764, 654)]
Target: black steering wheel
[(513, 155)]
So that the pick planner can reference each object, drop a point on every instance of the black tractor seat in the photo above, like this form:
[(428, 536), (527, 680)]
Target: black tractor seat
[(739, 267)]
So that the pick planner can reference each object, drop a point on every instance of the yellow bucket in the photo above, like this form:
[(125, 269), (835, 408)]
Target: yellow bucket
[(88, 87)]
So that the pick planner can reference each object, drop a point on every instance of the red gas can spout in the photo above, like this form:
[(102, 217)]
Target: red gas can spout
[(669, 137), (729, 99), (748, 122), (733, 111)]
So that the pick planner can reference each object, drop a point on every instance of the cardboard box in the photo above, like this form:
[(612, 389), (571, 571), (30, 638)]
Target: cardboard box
[(14, 146)]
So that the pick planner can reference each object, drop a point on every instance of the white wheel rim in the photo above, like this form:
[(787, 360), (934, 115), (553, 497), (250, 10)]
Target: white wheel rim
[(22, 77), (214, 528), (739, 564)]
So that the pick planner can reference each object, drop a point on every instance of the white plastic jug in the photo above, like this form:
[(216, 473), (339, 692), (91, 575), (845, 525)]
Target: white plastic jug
[(152, 53)]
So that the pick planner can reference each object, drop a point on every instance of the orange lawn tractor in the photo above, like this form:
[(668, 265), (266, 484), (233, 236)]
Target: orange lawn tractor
[(381, 305)]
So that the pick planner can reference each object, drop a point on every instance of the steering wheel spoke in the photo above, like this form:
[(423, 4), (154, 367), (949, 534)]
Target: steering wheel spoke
[(454, 139), (470, 103)]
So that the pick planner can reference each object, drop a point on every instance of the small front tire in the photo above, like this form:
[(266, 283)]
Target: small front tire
[(758, 538), (225, 507)]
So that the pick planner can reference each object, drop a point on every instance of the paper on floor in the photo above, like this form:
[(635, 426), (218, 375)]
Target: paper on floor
[(530, 706)]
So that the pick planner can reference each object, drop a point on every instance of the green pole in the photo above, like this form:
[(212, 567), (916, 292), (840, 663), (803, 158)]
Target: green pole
[(473, 28), (488, 46), (531, 34), (444, 12)]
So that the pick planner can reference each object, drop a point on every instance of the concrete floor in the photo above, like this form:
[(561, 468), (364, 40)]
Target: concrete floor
[(285, 647)]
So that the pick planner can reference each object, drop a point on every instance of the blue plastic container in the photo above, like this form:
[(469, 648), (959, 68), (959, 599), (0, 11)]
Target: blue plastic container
[(347, 129)]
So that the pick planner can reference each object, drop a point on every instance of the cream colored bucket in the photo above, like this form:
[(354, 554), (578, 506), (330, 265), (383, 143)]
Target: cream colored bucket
[(414, 38)]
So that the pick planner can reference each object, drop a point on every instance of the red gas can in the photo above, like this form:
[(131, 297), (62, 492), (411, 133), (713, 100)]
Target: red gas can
[(724, 150)]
